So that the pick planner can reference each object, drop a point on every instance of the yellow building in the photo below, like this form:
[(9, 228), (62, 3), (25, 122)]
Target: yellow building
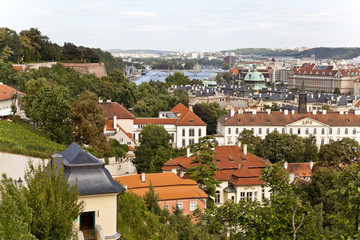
[(96, 188)]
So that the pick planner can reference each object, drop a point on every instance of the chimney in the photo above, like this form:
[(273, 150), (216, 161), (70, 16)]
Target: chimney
[(239, 144), (291, 177), (188, 154), (292, 112), (268, 111), (311, 165), (286, 112), (109, 100), (314, 112), (324, 112), (115, 120), (100, 100), (245, 149), (286, 165), (143, 177), (341, 112), (254, 112), (232, 112)]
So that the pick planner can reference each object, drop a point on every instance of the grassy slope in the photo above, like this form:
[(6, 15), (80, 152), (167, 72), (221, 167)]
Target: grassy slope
[(20, 137)]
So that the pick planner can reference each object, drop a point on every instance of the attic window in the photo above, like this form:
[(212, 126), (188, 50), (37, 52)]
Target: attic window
[(317, 73), (230, 158), (330, 73), (329, 120), (267, 119), (251, 119), (239, 120), (279, 120), (347, 120), (323, 73), (191, 120)]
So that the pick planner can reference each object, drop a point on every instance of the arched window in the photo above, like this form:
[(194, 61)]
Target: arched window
[(217, 198), (260, 130), (283, 130), (338, 131), (354, 131), (322, 141), (323, 131), (229, 130), (299, 131), (237, 131), (291, 131), (306, 131), (267, 131), (346, 131), (314, 131), (330, 131)]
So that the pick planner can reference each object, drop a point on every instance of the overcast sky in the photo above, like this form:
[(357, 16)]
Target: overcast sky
[(189, 25)]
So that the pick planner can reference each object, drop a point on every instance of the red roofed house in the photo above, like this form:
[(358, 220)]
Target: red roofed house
[(184, 126), (173, 191), (301, 171), (323, 78), (6, 94), (239, 173)]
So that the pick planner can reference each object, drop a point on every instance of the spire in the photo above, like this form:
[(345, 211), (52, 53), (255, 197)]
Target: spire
[(303, 87)]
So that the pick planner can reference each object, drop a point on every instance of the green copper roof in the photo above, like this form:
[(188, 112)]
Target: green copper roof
[(255, 79)]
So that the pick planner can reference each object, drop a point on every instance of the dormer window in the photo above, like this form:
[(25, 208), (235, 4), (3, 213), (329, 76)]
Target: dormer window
[(304, 72), (191, 120), (330, 73), (251, 120), (323, 73), (317, 73), (310, 72), (267, 120), (239, 120), (347, 120)]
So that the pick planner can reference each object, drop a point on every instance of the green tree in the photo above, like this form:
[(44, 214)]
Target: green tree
[(203, 167), (337, 91), (209, 113), (53, 202), (15, 214), (154, 150), (274, 107), (89, 120), (49, 107), (177, 78), (281, 147), (345, 151), (182, 96), (247, 137), (151, 200)]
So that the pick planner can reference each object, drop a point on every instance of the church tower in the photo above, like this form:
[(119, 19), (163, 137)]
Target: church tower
[(302, 109)]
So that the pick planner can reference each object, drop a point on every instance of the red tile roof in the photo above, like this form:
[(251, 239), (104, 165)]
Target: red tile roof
[(110, 127), (164, 121), (113, 107), (231, 161), (280, 119), (300, 169), (169, 186), (6, 92)]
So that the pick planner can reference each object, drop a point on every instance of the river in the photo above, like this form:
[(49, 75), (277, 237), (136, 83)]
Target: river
[(158, 75)]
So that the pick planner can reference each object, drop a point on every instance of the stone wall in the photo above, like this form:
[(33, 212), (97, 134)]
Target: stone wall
[(88, 68)]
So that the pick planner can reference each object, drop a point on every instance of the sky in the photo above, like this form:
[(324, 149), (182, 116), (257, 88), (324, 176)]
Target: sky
[(188, 25)]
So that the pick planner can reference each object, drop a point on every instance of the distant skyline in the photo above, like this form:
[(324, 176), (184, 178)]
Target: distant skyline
[(197, 25)]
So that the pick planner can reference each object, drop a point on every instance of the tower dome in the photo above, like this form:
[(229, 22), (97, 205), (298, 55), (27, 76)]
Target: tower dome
[(255, 79)]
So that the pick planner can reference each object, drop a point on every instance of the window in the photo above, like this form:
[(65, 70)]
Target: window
[(291, 131), (242, 195), (354, 131), (229, 130), (338, 131), (191, 132), (191, 141), (229, 140), (217, 198), (237, 131), (322, 131), (179, 205), (346, 131), (183, 132), (233, 198), (299, 130), (262, 194), (260, 130), (199, 132), (255, 196), (172, 137), (314, 131), (267, 131), (166, 207), (183, 143), (322, 141), (330, 131), (249, 195), (193, 206), (306, 131), (283, 130), (252, 130)]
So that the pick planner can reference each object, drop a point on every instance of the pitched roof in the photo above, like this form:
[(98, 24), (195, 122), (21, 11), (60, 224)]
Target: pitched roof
[(277, 118), (169, 186), (111, 108), (85, 170), (300, 169), (6, 92), (156, 121), (186, 117), (231, 161), (110, 127)]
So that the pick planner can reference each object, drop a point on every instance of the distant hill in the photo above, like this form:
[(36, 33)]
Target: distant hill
[(320, 53), (142, 51)]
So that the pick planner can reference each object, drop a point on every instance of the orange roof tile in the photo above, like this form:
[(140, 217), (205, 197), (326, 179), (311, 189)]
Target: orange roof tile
[(155, 121), (6, 92), (113, 107), (300, 169), (187, 117)]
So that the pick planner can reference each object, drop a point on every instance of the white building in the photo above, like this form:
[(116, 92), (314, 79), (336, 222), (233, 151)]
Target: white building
[(325, 126), (239, 173), (6, 100), (182, 124)]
